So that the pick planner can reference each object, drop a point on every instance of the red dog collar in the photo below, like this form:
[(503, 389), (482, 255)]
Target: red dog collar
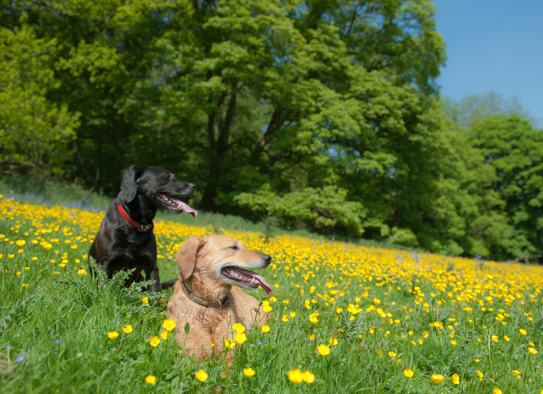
[(137, 226)]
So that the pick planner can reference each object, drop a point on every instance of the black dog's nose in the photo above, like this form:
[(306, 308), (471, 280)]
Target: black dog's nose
[(267, 258)]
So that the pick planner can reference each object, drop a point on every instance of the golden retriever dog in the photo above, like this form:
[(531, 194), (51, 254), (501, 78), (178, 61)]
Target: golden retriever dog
[(207, 297)]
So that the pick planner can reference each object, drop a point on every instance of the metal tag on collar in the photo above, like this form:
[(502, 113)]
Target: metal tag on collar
[(145, 228)]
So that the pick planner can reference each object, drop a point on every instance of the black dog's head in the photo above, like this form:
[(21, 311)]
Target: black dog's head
[(158, 186)]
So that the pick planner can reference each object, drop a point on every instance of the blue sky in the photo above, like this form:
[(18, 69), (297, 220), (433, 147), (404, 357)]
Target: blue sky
[(493, 45)]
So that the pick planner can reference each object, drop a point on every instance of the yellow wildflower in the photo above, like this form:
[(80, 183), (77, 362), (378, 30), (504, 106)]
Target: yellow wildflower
[(248, 372), (295, 376), (168, 324), (112, 335), (437, 379), (240, 338), (323, 350), (201, 375)]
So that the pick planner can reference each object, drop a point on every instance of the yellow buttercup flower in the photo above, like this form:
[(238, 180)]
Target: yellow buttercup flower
[(522, 331), (323, 350), (408, 372), (164, 334), (496, 391), (239, 328), (201, 375), (295, 376), (145, 300), (265, 329), (455, 379), (437, 379), (532, 350), (248, 372), (240, 338), (308, 377), (168, 324), (150, 379), (112, 335), (127, 329), (154, 341), (229, 344)]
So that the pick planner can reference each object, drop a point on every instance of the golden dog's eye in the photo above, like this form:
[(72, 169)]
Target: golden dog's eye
[(235, 247)]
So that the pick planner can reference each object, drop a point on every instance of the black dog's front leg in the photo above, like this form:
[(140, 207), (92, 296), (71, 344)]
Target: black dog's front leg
[(153, 274)]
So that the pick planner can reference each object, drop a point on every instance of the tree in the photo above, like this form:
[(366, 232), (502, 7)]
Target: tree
[(327, 105), (33, 130), (514, 149), (330, 103), (470, 109), (103, 67)]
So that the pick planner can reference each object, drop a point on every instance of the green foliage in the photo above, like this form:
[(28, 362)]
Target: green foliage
[(332, 105), (402, 236), (470, 109), (515, 151), (322, 209), (34, 131)]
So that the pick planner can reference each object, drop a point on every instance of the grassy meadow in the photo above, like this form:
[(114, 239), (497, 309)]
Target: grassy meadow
[(346, 318)]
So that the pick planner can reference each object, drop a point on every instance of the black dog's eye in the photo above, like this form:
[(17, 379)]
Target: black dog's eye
[(235, 247)]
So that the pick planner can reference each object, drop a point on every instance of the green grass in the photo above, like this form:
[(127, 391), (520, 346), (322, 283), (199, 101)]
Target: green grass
[(57, 325)]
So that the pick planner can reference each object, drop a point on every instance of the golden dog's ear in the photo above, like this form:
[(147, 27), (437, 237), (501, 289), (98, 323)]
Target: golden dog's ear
[(186, 255)]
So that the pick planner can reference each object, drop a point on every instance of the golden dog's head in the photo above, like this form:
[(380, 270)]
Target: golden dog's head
[(214, 263)]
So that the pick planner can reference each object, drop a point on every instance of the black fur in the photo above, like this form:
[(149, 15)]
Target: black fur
[(120, 246)]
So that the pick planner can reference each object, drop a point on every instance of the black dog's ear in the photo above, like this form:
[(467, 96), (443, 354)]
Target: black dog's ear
[(187, 254), (129, 188)]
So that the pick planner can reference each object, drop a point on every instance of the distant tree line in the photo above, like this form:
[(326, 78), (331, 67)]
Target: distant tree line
[(323, 114)]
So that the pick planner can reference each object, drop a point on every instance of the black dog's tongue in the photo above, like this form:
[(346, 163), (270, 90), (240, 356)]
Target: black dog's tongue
[(185, 208)]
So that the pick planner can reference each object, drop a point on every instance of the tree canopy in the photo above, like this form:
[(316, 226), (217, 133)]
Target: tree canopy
[(323, 114)]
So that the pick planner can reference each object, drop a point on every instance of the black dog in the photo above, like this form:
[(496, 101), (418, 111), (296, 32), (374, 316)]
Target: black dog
[(125, 239)]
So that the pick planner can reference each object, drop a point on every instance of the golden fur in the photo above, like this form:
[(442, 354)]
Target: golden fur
[(200, 262)]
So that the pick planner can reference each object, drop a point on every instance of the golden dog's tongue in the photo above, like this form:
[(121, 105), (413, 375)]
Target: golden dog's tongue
[(263, 284), (259, 278), (185, 208)]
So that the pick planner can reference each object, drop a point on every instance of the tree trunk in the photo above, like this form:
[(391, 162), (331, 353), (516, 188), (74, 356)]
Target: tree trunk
[(218, 148)]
